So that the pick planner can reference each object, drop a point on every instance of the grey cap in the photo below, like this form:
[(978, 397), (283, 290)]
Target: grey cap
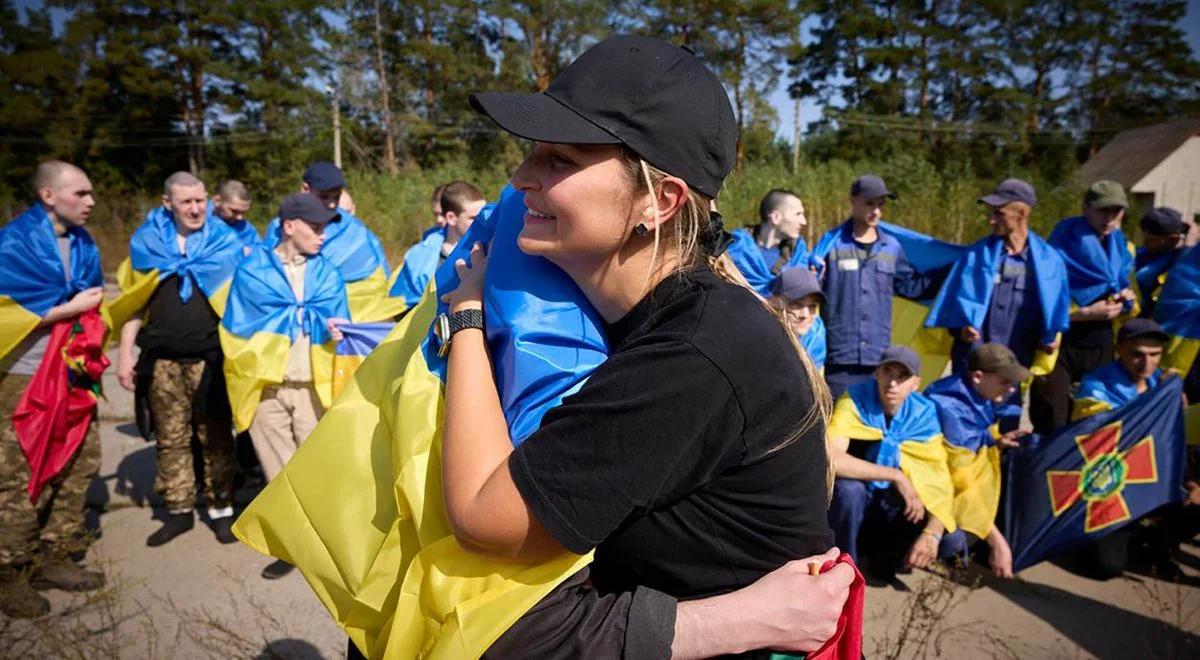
[(869, 186), (306, 207), (796, 283), (1010, 190), (903, 356), (998, 359)]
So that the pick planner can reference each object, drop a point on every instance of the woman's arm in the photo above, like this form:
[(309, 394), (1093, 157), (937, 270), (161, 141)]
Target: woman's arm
[(486, 511)]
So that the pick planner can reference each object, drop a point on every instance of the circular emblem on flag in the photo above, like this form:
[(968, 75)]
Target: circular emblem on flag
[(1103, 476)]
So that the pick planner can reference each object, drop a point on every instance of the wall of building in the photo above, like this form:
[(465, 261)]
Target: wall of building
[(1175, 182)]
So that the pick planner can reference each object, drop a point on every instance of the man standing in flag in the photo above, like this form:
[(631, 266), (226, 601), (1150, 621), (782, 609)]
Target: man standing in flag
[(761, 253), (1099, 264), (231, 204), (893, 496), (1163, 232), (459, 204), (177, 278), (277, 335), (49, 278), (1009, 289)]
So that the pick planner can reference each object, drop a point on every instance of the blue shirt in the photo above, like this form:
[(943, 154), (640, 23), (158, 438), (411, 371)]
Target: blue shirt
[(860, 280), (1112, 385), (1014, 316), (813, 342), (966, 417)]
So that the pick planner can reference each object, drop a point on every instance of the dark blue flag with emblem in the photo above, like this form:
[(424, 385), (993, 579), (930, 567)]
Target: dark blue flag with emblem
[(1096, 475)]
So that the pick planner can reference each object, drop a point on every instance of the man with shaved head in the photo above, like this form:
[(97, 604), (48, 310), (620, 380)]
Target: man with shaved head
[(231, 204), (49, 277), (191, 261)]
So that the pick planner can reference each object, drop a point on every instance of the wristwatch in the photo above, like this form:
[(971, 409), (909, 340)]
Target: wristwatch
[(445, 326)]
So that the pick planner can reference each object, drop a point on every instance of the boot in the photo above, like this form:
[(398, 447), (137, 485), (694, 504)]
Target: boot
[(223, 529), (17, 599), (177, 523), (62, 573), (277, 569)]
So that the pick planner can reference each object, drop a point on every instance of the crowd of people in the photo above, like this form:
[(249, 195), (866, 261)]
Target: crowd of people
[(694, 422)]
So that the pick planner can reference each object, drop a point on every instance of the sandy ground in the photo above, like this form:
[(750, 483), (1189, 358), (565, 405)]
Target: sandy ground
[(194, 598)]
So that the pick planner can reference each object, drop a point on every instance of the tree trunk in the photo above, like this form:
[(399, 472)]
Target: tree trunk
[(389, 151)]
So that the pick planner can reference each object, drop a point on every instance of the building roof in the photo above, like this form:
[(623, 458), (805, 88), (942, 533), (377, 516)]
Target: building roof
[(1130, 156)]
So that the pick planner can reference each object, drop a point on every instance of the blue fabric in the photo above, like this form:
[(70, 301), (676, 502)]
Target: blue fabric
[(544, 337), (755, 262), (245, 231), (31, 270), (1112, 385), (813, 342), (1147, 269), (362, 338), (1153, 423), (971, 295), (858, 314), (1096, 267), (213, 253), (966, 418), (916, 421), (349, 245), (262, 300), (420, 263), (1178, 307)]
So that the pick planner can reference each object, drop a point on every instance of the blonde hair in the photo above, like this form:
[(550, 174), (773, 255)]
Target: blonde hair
[(685, 231)]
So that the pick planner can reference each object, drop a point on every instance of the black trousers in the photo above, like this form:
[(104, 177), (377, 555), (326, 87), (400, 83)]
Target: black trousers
[(1050, 395)]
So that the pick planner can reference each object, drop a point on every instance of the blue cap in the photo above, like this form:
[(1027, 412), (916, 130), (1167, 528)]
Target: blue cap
[(1148, 328), (869, 186), (1010, 190), (903, 356), (1163, 221), (797, 282), (306, 207), (324, 175)]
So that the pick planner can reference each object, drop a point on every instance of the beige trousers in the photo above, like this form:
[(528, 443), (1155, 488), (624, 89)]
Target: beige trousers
[(285, 416)]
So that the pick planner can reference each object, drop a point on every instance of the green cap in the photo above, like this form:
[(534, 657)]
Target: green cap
[(1106, 195)]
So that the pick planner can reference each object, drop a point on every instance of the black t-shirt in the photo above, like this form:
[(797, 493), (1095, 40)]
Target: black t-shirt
[(668, 459), (178, 329)]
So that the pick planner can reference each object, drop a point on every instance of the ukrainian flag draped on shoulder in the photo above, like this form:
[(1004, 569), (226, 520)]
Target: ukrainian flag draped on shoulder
[(1107, 388), (358, 254), (1178, 311), (912, 442), (420, 263), (748, 258), (210, 256), (966, 296), (969, 425), (32, 278), (359, 508), (262, 320), (1096, 267), (245, 231)]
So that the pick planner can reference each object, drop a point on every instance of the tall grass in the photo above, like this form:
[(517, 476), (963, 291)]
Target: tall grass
[(939, 203)]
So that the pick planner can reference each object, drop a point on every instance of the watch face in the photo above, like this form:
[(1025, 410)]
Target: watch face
[(441, 329)]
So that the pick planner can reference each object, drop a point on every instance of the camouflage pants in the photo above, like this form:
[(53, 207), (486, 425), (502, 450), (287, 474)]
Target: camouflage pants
[(172, 390), (57, 519)]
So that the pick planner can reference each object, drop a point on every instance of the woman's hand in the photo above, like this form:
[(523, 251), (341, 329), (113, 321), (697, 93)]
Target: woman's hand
[(469, 294)]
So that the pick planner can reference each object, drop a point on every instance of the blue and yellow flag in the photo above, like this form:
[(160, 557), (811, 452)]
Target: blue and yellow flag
[(1096, 267), (420, 263), (358, 341), (1095, 475), (358, 254), (748, 257), (813, 342), (32, 275), (1178, 311), (262, 320), (245, 231), (966, 296), (1107, 388), (912, 441), (374, 542), (968, 422)]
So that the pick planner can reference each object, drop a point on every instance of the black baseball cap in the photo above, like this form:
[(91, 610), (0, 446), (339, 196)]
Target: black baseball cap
[(1010, 190), (1163, 221), (797, 282), (998, 359), (324, 175), (869, 186), (306, 207), (903, 356), (655, 98), (1142, 328)]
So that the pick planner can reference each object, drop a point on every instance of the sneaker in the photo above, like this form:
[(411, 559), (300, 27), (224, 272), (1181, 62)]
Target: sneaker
[(277, 569), (223, 529), (17, 598), (176, 524), (66, 575)]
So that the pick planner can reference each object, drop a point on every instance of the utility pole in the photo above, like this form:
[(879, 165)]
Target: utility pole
[(796, 136), (334, 94)]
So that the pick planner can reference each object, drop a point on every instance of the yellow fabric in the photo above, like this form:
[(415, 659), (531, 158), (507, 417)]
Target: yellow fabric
[(1180, 354), (254, 363), (137, 287), (1086, 407), (16, 323), (359, 511), (923, 461), (932, 345), (976, 478), (369, 300), (344, 367), (1191, 424)]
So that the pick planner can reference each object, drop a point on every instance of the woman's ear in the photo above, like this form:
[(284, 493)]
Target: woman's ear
[(670, 198)]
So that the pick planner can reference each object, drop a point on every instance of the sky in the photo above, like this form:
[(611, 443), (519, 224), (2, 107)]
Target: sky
[(810, 110)]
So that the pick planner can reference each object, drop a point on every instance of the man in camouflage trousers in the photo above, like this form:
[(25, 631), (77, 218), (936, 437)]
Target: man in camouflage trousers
[(33, 554)]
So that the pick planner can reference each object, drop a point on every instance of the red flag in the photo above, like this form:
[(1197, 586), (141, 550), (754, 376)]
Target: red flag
[(52, 417), (846, 643)]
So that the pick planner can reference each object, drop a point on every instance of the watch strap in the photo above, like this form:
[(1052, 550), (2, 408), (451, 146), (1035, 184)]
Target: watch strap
[(464, 319)]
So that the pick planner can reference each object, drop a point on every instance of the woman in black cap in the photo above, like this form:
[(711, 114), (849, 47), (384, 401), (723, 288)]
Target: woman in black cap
[(693, 460)]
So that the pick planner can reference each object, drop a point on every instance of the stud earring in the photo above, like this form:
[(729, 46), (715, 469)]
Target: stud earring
[(641, 229)]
